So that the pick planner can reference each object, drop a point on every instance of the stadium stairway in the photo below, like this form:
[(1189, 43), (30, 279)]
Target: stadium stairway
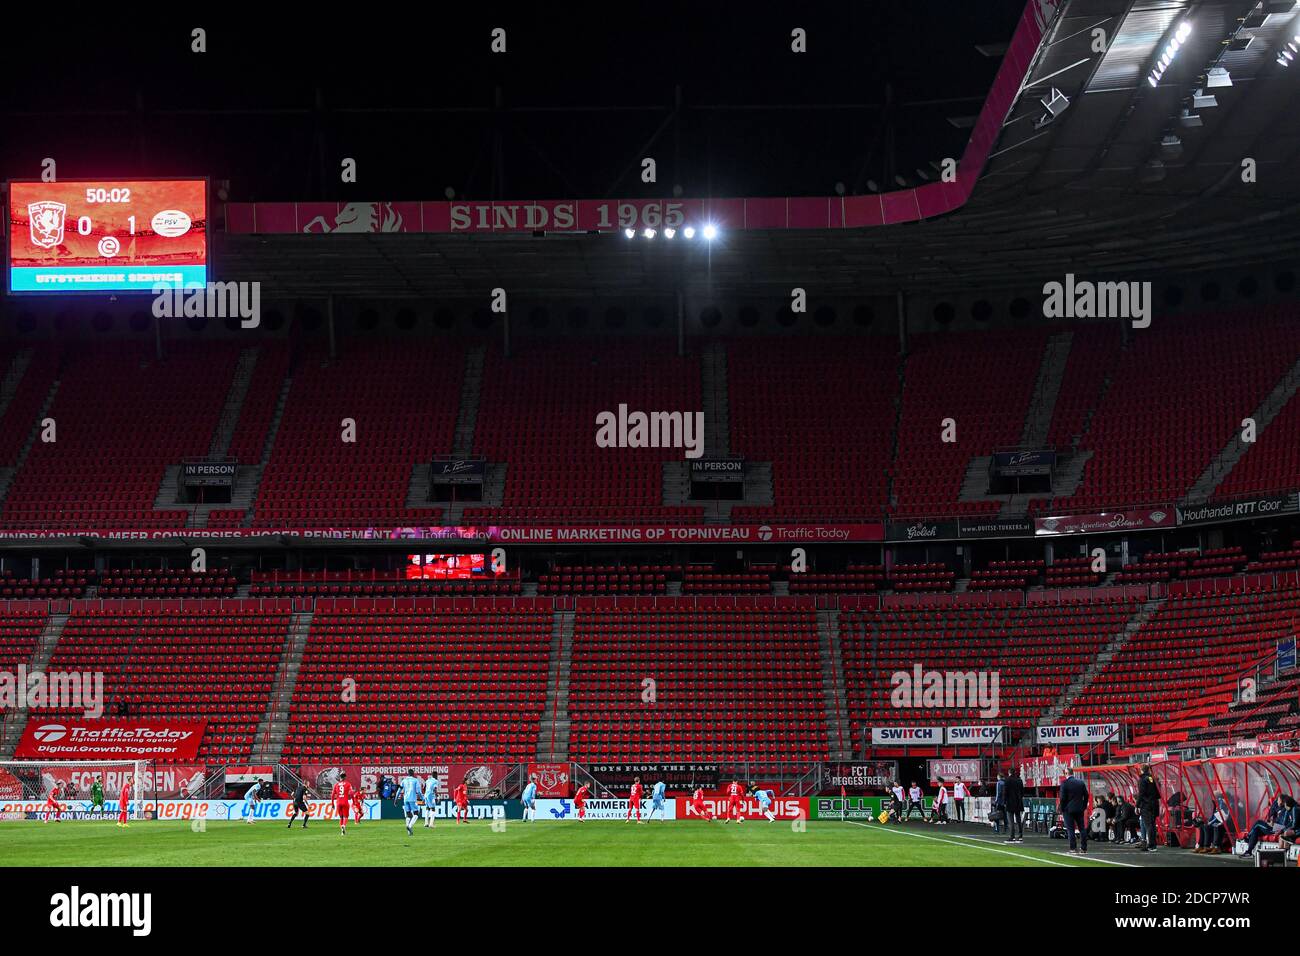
[(471, 387), (272, 429), (271, 730), (241, 496), (13, 377), (1089, 674), (839, 731), (1042, 405), (40, 660), (7, 474), (494, 480), (1232, 452), (716, 400), (234, 406), (553, 732)]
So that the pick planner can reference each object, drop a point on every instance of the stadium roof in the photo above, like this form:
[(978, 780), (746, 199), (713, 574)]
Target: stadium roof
[(1088, 190)]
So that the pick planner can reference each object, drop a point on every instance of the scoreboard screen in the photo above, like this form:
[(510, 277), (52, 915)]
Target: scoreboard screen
[(107, 236)]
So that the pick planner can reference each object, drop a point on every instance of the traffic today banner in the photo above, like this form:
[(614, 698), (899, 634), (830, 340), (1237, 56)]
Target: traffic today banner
[(110, 739)]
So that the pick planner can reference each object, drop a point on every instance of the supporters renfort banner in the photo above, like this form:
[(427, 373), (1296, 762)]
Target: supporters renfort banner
[(110, 739)]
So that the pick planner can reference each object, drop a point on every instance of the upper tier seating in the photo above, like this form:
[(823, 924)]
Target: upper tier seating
[(822, 412), (403, 400), (537, 412), (1177, 395), (121, 418), (984, 389)]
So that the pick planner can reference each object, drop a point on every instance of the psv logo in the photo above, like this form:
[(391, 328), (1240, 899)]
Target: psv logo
[(45, 220)]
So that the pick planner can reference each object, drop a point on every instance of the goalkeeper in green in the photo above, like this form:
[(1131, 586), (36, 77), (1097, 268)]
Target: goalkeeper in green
[(97, 795)]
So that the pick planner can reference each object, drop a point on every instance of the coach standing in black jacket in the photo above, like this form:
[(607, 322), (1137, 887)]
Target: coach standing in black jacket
[(1148, 806), (1074, 804), (1013, 795)]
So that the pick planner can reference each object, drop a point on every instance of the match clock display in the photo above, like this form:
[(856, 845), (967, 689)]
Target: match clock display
[(107, 236)]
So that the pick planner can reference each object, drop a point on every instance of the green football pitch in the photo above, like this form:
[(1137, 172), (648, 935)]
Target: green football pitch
[(510, 843)]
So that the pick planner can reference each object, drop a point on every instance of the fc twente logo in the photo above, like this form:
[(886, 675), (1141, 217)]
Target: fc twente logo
[(46, 221), (360, 217)]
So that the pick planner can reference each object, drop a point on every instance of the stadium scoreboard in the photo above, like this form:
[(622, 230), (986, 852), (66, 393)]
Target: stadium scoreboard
[(106, 235)]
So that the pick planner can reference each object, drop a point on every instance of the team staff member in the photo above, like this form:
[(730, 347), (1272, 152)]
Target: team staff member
[(1148, 806), (959, 800), (1013, 796)]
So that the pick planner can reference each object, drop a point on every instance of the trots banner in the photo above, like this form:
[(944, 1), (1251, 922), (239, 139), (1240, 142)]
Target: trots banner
[(967, 769), (115, 739)]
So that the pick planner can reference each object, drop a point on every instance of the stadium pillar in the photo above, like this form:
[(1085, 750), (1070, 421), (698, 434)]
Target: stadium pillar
[(902, 324)]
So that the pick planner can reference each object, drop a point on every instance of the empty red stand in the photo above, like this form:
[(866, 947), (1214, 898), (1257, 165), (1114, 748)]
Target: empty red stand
[(999, 575), (537, 412), (1176, 396), (1190, 650), (438, 684), (22, 414), (822, 412), (855, 579), (929, 576), (735, 683), (599, 579), (983, 382), (371, 584), (165, 583), (20, 633), (249, 438), (1094, 352), (1068, 572), (1036, 651), (122, 417), (403, 400), (703, 580), (214, 664)]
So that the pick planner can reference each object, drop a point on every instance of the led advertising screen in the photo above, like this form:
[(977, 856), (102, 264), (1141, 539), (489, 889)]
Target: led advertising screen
[(107, 236), (455, 567)]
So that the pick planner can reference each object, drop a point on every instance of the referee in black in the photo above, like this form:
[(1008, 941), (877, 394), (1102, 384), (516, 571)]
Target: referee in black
[(299, 805)]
